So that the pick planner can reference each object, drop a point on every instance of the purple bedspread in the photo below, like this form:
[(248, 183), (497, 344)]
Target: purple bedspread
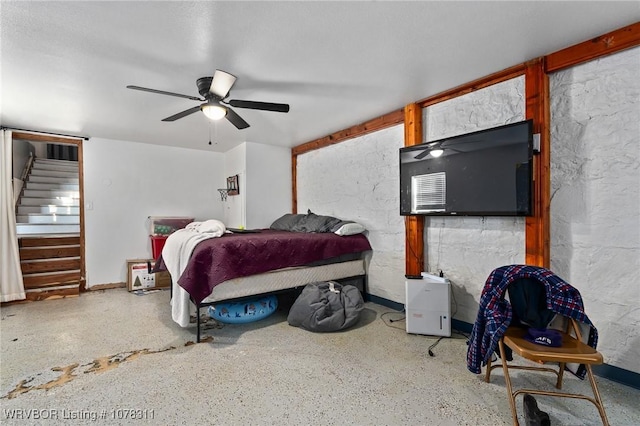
[(216, 260)]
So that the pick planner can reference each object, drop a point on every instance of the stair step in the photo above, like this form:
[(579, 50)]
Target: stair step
[(47, 193), (52, 161), (38, 201), (46, 209), (54, 173), (50, 265), (50, 279), (53, 166), (59, 292), (39, 241), (48, 218), (52, 186), (44, 228), (35, 253), (54, 179)]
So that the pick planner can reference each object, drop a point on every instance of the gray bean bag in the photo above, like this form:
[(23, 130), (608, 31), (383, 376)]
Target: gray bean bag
[(326, 306)]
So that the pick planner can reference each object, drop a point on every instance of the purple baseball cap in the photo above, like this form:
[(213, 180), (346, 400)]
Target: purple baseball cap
[(544, 336)]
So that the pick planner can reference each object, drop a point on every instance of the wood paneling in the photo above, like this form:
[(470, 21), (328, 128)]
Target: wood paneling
[(606, 44)]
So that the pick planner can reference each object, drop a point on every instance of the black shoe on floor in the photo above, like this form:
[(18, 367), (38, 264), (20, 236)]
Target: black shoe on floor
[(532, 414)]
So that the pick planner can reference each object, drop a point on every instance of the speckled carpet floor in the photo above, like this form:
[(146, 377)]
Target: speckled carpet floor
[(111, 357)]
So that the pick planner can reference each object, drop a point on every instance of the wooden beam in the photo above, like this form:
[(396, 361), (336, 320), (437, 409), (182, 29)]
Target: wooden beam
[(83, 259), (36, 137), (294, 183), (379, 123), (478, 84), (614, 41), (414, 225), (537, 229)]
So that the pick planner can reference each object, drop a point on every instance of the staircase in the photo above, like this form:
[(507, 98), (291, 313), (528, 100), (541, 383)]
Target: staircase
[(51, 266), (50, 202), (48, 228)]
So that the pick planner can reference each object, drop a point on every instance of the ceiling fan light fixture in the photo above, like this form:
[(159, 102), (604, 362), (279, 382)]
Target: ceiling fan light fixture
[(436, 152), (214, 112)]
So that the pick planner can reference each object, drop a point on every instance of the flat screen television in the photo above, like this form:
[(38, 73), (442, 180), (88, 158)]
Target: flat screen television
[(484, 173)]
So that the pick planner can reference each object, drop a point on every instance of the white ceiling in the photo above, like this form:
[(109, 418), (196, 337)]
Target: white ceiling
[(65, 65)]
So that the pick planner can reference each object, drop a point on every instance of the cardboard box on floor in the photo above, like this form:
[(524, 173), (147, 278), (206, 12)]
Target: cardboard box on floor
[(139, 278)]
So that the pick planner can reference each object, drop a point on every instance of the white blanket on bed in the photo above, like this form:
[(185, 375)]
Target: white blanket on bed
[(176, 254)]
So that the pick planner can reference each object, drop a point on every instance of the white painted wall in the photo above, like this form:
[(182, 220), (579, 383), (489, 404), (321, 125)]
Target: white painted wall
[(595, 205), (268, 184), (235, 163), (264, 173), (359, 180), (467, 249), (125, 183), (21, 152)]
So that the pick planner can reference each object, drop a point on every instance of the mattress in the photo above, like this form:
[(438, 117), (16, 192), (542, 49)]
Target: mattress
[(283, 279)]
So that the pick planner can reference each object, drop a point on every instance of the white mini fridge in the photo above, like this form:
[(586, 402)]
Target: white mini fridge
[(428, 305)]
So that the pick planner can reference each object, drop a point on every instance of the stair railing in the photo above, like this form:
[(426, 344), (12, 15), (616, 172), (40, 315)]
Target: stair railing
[(25, 174)]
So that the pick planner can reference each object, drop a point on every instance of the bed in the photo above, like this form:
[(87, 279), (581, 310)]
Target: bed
[(219, 267)]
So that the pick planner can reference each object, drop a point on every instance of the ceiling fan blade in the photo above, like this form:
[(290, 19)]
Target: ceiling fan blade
[(264, 106), (422, 154), (162, 92), (236, 120), (221, 83), (182, 114)]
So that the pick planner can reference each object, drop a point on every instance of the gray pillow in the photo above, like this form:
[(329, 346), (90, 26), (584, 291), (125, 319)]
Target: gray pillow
[(317, 223), (287, 222)]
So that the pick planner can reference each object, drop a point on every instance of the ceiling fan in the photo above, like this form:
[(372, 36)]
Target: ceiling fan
[(214, 91)]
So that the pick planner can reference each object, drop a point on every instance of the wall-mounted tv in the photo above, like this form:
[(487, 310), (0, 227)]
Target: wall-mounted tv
[(484, 173)]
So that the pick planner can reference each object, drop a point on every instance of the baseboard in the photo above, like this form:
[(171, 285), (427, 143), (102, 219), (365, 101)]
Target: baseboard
[(610, 372), (108, 286), (384, 302)]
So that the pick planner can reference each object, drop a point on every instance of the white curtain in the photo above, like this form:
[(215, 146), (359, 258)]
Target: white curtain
[(11, 285)]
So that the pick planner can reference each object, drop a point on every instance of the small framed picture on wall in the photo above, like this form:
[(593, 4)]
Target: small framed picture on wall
[(233, 188)]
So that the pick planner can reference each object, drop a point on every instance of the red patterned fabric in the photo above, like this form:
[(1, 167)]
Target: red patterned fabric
[(494, 312)]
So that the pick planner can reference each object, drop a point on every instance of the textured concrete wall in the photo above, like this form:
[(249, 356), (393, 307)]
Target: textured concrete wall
[(467, 249), (359, 180), (595, 205)]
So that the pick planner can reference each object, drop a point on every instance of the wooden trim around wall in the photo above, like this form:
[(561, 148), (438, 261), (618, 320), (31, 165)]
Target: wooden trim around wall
[(373, 125), (472, 86), (537, 234), (294, 184), (414, 225), (612, 42), (41, 137)]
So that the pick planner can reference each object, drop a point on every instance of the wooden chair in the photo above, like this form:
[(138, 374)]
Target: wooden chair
[(573, 350)]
